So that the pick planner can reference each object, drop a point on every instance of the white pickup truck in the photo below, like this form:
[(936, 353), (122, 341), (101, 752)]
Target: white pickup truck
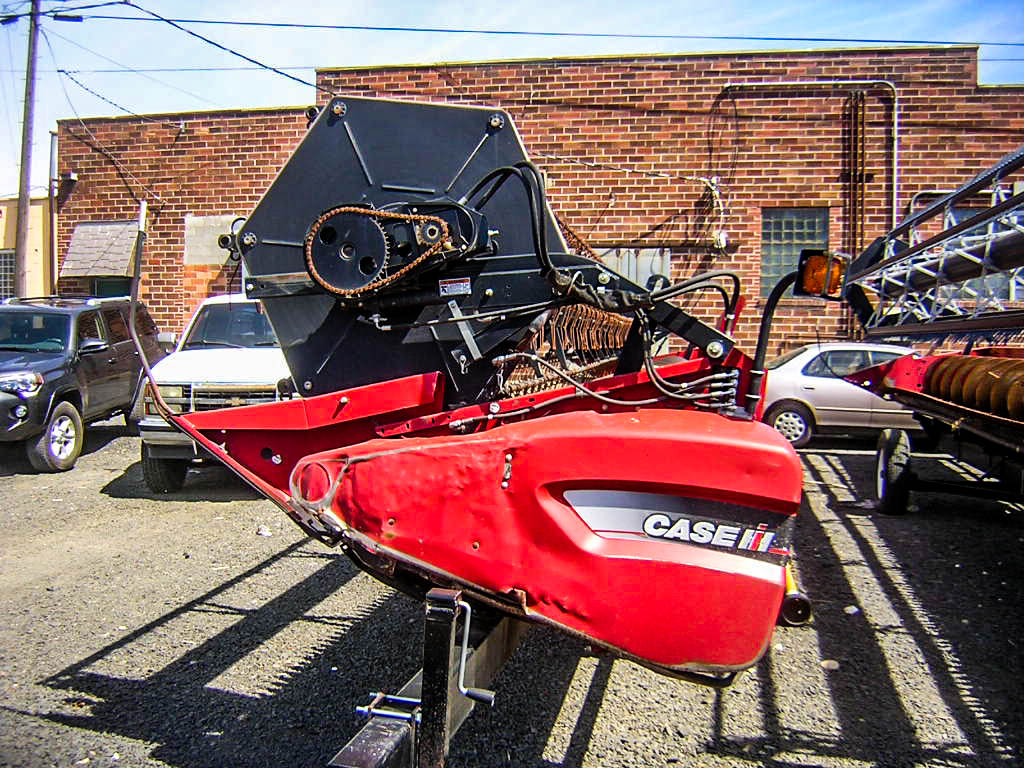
[(228, 356)]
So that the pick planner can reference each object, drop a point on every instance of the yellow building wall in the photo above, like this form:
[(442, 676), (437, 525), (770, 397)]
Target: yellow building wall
[(40, 232)]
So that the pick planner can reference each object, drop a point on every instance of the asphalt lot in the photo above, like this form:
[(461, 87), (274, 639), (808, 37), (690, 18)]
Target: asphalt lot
[(163, 631)]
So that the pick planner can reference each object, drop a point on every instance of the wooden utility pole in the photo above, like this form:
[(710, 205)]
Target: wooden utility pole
[(24, 198)]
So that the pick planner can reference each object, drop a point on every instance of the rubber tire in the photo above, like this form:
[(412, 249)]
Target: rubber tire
[(796, 414), (39, 449), (893, 476), (163, 475)]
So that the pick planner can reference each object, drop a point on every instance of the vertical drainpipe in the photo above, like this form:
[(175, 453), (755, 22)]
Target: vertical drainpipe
[(52, 212), (895, 164)]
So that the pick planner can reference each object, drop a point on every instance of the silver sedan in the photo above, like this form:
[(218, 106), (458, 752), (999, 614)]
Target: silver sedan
[(805, 392)]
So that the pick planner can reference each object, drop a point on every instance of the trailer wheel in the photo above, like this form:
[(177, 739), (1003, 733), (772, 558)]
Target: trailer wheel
[(893, 477)]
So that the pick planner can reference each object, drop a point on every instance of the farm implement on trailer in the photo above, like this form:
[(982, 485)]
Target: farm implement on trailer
[(952, 273), (476, 417)]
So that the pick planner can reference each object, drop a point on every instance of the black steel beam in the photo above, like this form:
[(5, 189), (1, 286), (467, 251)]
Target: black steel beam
[(1010, 320)]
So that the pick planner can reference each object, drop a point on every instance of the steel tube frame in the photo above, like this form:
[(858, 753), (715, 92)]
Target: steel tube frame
[(895, 166)]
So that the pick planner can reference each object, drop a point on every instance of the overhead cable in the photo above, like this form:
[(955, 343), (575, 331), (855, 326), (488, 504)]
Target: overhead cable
[(224, 48), (94, 142), (131, 69), (547, 33)]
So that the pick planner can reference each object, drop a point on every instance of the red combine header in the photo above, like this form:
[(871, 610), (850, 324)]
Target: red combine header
[(474, 406)]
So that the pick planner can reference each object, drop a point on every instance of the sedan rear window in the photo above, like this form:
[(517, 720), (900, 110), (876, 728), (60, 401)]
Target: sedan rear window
[(837, 363), (784, 358)]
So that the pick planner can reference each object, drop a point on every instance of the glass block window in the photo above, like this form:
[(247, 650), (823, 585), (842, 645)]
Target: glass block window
[(784, 233), (6, 274)]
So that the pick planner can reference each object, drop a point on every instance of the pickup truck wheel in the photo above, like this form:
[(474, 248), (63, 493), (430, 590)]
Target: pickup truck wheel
[(58, 447), (163, 475)]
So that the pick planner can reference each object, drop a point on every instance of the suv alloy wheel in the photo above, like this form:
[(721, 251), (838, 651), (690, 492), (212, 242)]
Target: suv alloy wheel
[(58, 447)]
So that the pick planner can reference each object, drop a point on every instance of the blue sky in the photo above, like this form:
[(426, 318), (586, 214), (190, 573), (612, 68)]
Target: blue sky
[(108, 44)]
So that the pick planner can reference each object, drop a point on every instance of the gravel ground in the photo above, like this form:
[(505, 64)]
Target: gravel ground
[(138, 630)]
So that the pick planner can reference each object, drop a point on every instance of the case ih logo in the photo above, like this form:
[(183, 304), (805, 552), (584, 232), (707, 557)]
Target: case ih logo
[(662, 526)]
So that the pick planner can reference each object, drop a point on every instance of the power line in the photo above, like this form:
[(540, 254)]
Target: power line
[(224, 48), (96, 144), (139, 70), (114, 104), (535, 33), (131, 69)]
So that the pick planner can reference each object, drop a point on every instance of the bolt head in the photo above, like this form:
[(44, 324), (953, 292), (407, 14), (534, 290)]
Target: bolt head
[(496, 121), (307, 385), (493, 407), (604, 278), (338, 108), (715, 349)]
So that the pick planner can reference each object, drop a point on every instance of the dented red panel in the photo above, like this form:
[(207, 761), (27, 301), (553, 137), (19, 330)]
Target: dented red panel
[(574, 510)]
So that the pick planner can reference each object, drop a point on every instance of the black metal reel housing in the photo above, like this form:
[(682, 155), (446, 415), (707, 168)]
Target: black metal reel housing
[(373, 265)]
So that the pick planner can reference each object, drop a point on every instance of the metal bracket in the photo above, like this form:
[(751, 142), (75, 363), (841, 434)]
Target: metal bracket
[(394, 707), (413, 729), (466, 331)]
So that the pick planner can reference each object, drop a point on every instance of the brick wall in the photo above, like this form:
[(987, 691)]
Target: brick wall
[(202, 164), (651, 125), (671, 118)]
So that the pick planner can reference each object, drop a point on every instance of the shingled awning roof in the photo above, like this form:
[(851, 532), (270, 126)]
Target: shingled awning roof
[(100, 249)]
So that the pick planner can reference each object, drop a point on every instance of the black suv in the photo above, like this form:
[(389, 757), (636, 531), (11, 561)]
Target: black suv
[(65, 362)]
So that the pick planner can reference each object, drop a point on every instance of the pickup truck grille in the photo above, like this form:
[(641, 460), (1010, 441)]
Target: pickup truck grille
[(213, 397)]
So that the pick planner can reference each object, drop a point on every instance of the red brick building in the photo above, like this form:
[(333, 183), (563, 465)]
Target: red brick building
[(732, 160)]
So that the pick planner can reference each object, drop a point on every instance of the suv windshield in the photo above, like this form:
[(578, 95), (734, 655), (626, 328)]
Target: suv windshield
[(33, 331), (230, 325)]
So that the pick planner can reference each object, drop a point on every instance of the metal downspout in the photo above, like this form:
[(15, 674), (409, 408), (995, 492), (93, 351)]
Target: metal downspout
[(895, 163), (52, 213)]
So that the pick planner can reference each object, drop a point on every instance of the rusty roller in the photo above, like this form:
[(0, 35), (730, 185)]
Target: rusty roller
[(1005, 398), (944, 382), (987, 381), (955, 388), (934, 373), (992, 384), (978, 386)]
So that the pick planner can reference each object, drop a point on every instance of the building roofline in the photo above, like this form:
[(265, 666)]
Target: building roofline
[(654, 56), (177, 116)]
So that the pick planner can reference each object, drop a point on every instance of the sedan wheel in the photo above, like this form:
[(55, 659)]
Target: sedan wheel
[(793, 422)]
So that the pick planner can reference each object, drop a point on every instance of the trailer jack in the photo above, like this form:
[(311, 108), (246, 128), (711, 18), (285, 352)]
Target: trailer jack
[(413, 728)]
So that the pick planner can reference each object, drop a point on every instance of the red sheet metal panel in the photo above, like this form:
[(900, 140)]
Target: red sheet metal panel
[(580, 512)]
